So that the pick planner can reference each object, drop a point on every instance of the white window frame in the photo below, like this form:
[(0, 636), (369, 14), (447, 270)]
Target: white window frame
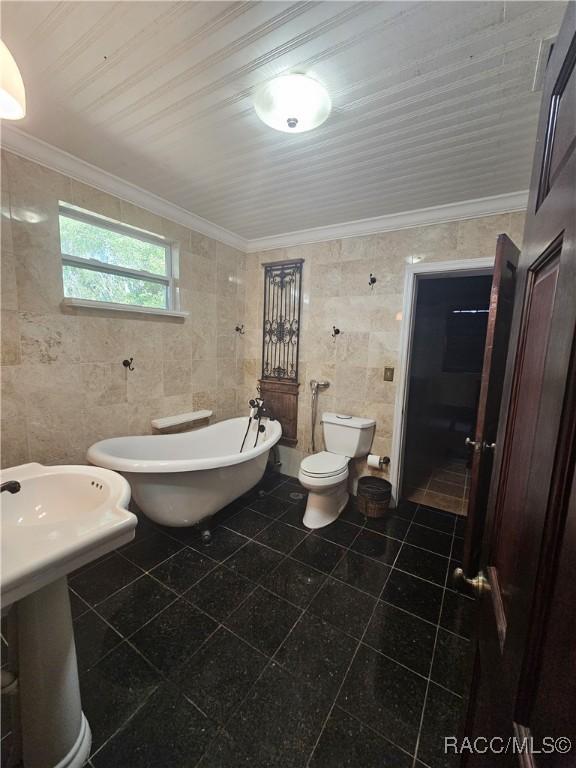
[(168, 280)]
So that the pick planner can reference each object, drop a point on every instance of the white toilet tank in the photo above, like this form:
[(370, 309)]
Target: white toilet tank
[(347, 435)]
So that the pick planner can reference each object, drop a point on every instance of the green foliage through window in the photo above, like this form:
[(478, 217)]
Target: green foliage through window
[(103, 286), (117, 251)]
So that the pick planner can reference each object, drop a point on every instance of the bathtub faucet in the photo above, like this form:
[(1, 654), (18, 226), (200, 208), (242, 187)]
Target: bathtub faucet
[(12, 486), (259, 410)]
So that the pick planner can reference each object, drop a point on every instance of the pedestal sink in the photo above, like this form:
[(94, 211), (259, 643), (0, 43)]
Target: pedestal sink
[(60, 519)]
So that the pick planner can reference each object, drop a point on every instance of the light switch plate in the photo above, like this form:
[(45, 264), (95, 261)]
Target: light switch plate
[(388, 374)]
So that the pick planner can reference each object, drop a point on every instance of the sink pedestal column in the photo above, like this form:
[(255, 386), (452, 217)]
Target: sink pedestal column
[(54, 731)]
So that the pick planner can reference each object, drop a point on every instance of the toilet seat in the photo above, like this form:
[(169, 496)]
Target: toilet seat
[(324, 465)]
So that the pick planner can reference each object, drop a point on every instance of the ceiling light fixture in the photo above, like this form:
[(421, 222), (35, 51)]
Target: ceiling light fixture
[(12, 94), (292, 103)]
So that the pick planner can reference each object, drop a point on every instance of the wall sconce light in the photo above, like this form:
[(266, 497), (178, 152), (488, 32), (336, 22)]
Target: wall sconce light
[(240, 329)]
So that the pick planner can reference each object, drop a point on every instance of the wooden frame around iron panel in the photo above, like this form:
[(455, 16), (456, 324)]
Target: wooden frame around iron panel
[(281, 321)]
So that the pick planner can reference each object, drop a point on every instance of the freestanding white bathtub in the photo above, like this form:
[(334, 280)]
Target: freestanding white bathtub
[(178, 480)]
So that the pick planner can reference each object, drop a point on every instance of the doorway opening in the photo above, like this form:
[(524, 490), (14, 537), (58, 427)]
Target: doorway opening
[(444, 374)]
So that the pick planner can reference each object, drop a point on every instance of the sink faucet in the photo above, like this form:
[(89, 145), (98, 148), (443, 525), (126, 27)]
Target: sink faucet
[(12, 486)]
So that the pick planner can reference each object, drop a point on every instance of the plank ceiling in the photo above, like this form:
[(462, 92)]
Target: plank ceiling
[(433, 101)]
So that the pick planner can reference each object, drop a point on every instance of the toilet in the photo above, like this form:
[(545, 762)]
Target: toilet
[(325, 474)]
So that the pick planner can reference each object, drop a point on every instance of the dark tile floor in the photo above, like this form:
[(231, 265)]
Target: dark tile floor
[(274, 645)]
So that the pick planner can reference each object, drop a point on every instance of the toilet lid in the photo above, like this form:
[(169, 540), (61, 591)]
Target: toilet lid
[(324, 464)]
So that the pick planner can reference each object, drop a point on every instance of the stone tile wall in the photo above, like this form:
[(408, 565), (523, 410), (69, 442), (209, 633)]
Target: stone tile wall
[(336, 292), (63, 383)]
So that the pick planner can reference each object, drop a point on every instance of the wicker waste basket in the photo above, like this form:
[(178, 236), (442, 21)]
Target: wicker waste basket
[(373, 497)]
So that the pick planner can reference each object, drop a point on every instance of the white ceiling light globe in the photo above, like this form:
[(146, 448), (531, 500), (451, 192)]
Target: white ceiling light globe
[(292, 103), (12, 94)]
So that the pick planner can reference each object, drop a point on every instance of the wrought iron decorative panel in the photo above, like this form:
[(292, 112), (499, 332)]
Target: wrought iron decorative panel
[(281, 337)]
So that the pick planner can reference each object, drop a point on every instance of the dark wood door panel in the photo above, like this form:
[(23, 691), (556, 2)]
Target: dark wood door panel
[(548, 687), (489, 401), (566, 112), (553, 710), (526, 682), (527, 392), (561, 116)]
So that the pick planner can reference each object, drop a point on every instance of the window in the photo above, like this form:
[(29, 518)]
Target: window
[(111, 263)]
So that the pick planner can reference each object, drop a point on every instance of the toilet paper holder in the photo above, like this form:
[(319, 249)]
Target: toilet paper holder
[(378, 462)]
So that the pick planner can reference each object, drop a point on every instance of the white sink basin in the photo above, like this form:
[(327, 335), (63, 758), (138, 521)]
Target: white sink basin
[(61, 518)]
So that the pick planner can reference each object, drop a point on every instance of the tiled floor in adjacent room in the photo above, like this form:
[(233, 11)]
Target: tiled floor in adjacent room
[(444, 485), (274, 646)]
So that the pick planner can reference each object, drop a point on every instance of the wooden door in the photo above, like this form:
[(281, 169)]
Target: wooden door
[(493, 371), (525, 671)]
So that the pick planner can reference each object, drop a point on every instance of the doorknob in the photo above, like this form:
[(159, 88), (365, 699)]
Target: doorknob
[(479, 583), (488, 446), (472, 444)]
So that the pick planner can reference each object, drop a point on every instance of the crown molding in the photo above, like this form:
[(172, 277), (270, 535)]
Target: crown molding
[(23, 144), (439, 214)]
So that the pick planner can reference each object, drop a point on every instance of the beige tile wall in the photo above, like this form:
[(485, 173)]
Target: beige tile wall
[(336, 292), (63, 384)]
